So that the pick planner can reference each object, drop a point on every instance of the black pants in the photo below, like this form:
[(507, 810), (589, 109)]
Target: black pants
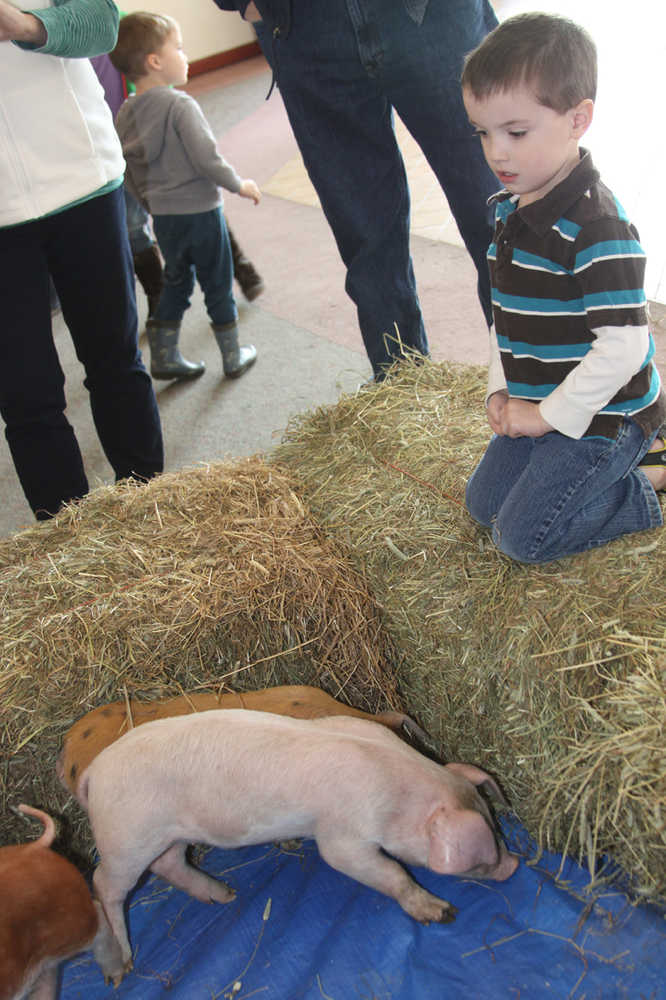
[(86, 251)]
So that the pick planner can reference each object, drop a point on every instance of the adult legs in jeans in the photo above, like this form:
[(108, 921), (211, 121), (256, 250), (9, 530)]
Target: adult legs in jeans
[(339, 80), (549, 497), (419, 87), (86, 250)]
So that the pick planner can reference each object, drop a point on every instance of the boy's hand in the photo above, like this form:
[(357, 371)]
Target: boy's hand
[(15, 26), (496, 404), (249, 189), (520, 418)]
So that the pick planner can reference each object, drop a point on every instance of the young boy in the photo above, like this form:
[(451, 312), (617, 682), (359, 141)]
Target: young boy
[(574, 398), (175, 171)]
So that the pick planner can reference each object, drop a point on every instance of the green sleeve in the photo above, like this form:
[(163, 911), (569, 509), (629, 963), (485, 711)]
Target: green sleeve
[(77, 28)]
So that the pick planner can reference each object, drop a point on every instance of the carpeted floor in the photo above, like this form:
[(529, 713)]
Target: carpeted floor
[(304, 325)]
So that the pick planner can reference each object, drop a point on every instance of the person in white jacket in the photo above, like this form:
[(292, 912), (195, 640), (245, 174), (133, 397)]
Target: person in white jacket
[(62, 213)]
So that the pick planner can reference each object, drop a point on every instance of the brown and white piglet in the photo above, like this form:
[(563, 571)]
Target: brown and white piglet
[(236, 777), (47, 914), (103, 725)]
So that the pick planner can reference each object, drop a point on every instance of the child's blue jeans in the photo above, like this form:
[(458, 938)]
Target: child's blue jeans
[(197, 247), (553, 496)]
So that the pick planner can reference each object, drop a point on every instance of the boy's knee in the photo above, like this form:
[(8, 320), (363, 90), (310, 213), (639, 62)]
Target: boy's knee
[(476, 503), (512, 541)]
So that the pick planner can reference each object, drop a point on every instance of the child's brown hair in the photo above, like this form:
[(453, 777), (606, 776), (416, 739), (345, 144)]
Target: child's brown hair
[(139, 35), (550, 54)]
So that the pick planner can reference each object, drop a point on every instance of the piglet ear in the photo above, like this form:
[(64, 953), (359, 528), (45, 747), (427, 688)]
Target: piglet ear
[(479, 778)]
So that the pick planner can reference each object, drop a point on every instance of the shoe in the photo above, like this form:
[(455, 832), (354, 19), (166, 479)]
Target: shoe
[(235, 359), (656, 459), (166, 361)]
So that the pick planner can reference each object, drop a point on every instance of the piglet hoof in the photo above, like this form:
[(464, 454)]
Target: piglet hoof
[(117, 977), (448, 914), (431, 910), (222, 893)]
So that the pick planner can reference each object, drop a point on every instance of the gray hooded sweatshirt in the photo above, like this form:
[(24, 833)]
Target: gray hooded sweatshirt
[(173, 166)]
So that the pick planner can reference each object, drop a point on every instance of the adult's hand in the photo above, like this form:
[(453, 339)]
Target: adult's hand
[(16, 26)]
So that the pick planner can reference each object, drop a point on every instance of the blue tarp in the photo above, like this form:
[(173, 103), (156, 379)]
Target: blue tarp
[(300, 931)]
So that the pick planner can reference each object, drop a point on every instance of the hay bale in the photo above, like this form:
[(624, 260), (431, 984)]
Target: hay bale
[(205, 579), (552, 677)]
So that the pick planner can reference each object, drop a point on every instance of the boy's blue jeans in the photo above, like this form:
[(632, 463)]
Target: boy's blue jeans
[(342, 69), (552, 496), (195, 247)]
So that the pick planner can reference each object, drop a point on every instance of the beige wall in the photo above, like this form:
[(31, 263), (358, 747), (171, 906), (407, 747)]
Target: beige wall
[(206, 29)]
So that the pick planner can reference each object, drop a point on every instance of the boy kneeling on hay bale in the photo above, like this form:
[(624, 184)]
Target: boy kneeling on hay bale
[(574, 397)]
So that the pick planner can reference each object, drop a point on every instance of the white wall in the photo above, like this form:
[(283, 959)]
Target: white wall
[(206, 29)]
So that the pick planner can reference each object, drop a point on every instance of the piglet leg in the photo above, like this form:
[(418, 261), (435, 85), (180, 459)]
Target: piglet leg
[(106, 949), (368, 864), (174, 867), (46, 985), (111, 888)]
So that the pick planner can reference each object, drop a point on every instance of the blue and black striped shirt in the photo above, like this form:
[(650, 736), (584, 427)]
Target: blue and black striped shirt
[(562, 267)]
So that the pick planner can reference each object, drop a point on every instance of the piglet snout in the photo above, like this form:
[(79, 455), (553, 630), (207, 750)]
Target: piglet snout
[(464, 842)]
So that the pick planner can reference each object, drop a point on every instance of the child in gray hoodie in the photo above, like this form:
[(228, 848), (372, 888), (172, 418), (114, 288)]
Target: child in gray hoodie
[(176, 172)]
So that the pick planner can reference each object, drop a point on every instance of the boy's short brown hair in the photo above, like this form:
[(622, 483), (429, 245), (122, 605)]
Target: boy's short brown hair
[(550, 54), (139, 35)]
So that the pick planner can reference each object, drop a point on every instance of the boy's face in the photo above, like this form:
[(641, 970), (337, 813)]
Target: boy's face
[(529, 147), (172, 60)]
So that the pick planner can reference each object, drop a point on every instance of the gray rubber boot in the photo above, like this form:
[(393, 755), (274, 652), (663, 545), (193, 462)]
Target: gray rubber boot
[(166, 361), (235, 359)]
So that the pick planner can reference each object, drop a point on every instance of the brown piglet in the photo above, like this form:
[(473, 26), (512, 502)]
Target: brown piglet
[(102, 726), (47, 914)]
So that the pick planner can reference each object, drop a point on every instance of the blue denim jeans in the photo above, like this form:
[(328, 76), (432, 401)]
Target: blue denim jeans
[(551, 496), (86, 250), (195, 247), (342, 69)]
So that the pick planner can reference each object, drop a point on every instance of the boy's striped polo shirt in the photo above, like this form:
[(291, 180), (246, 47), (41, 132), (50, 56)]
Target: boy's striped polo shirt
[(562, 267)]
